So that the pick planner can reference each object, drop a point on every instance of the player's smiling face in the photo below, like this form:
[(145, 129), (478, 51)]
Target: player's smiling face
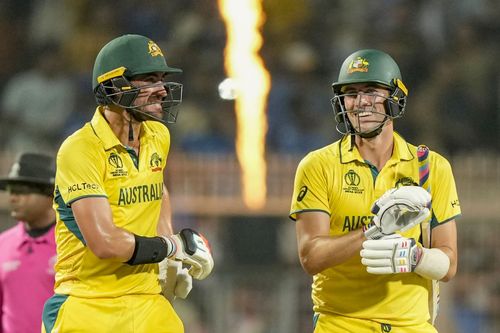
[(152, 93), (364, 104)]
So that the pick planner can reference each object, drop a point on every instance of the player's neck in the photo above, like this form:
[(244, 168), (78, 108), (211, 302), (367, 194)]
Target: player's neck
[(126, 129), (377, 150)]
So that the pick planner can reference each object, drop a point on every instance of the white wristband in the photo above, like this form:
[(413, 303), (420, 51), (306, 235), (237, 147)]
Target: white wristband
[(433, 265)]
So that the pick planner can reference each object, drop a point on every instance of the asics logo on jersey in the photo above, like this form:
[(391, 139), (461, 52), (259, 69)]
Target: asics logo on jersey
[(302, 193)]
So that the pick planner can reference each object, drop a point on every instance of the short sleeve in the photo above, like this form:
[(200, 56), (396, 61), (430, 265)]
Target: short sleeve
[(310, 187), (445, 203), (80, 170)]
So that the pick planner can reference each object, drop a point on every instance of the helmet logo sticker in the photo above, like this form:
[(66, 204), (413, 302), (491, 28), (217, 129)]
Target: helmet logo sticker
[(154, 49), (358, 65)]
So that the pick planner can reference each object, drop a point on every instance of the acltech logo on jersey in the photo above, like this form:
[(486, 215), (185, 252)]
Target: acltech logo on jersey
[(83, 187), (140, 193)]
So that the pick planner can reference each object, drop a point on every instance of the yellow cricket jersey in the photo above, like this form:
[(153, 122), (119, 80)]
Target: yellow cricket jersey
[(93, 163), (336, 180)]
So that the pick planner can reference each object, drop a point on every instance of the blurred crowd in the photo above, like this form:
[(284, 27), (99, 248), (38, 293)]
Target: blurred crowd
[(447, 52)]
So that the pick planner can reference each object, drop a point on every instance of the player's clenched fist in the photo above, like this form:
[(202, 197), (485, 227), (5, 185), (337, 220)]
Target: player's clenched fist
[(194, 250), (398, 209)]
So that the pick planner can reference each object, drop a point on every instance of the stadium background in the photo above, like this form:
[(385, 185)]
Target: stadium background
[(447, 51)]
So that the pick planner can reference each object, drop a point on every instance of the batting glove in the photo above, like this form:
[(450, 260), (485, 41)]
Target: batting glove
[(398, 209), (392, 254), (193, 249), (175, 280)]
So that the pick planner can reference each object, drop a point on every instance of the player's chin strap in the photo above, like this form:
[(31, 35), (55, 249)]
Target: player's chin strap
[(139, 116), (374, 132), (424, 181), (130, 130)]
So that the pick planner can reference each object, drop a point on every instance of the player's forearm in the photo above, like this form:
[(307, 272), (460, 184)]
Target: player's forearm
[(453, 267), (117, 244), (444, 238), (95, 221), (164, 227), (322, 252)]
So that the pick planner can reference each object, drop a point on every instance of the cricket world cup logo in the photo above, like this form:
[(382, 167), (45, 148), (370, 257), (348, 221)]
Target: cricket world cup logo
[(351, 178), (115, 161)]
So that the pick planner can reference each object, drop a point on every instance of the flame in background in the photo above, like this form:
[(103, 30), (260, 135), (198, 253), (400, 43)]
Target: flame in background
[(243, 19)]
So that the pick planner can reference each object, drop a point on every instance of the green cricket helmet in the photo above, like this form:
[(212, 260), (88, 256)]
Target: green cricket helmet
[(123, 58), (372, 67)]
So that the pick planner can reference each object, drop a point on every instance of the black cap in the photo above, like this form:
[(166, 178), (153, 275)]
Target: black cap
[(31, 168)]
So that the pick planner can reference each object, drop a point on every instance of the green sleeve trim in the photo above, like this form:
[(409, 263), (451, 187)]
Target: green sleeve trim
[(293, 215), (67, 217)]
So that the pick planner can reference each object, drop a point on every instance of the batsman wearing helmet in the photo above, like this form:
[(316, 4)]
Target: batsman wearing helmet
[(375, 215), (115, 244)]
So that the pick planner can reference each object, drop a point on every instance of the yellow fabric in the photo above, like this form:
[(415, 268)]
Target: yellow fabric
[(125, 314), (337, 181), (92, 162), (341, 324)]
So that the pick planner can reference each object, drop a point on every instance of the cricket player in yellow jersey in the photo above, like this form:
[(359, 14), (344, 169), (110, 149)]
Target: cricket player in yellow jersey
[(371, 237), (113, 210)]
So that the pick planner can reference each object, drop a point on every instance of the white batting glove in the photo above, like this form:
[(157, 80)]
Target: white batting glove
[(398, 209), (193, 249), (175, 280), (391, 254)]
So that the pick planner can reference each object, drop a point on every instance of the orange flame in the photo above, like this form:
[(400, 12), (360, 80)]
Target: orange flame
[(243, 19)]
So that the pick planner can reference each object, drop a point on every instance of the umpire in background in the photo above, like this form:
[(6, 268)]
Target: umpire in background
[(27, 250)]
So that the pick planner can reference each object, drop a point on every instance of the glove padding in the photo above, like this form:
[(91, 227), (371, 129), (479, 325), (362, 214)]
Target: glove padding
[(175, 280), (398, 209), (391, 254), (194, 250)]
